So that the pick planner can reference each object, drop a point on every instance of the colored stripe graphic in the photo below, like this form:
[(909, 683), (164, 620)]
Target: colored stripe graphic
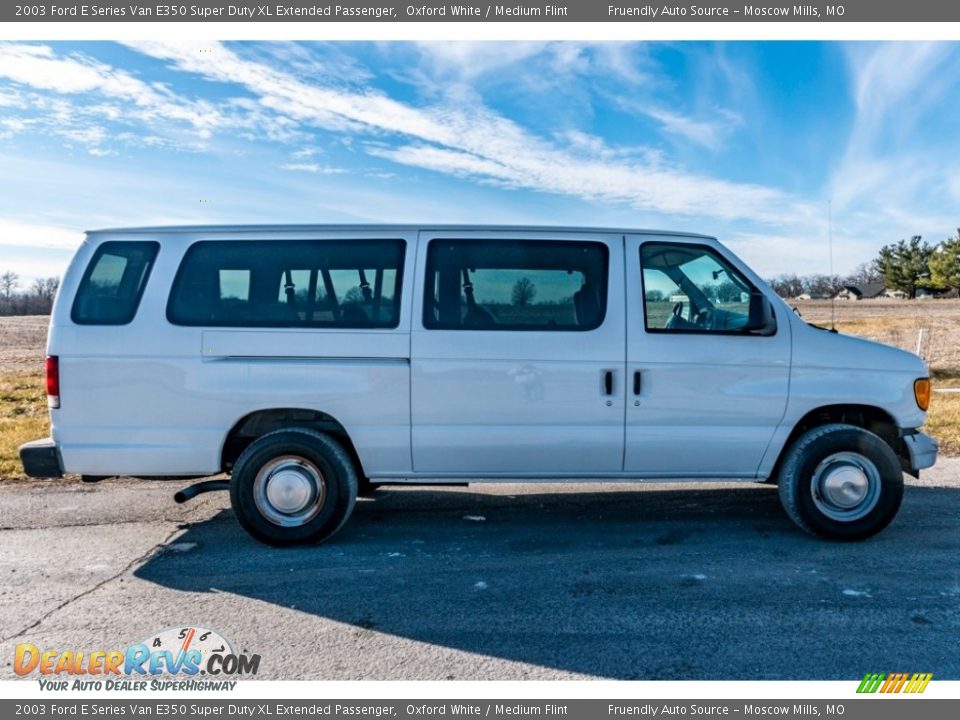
[(894, 683), (870, 682), (919, 682)]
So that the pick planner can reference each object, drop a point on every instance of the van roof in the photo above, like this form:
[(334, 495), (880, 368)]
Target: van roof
[(196, 229)]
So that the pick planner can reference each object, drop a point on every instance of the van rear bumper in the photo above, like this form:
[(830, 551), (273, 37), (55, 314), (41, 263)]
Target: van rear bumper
[(922, 450), (41, 459)]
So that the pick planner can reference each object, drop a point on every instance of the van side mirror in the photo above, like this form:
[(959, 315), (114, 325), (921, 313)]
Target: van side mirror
[(762, 320)]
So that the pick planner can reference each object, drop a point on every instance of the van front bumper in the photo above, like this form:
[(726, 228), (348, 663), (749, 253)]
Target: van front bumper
[(41, 459), (922, 451)]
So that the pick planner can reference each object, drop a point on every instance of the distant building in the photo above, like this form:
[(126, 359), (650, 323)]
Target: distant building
[(867, 291)]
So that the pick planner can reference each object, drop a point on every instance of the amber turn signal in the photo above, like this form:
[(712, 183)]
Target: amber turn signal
[(921, 391)]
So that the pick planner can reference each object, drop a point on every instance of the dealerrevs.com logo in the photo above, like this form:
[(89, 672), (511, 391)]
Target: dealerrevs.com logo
[(894, 683), (182, 658)]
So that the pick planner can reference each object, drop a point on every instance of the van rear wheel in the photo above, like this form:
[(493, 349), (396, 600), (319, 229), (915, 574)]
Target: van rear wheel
[(841, 482), (293, 486)]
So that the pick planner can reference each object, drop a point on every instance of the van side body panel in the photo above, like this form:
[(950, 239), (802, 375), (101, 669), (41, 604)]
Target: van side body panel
[(153, 398)]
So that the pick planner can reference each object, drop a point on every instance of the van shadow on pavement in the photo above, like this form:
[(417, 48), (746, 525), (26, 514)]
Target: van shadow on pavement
[(651, 583)]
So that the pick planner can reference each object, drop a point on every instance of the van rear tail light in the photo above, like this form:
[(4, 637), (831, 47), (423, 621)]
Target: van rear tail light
[(52, 366)]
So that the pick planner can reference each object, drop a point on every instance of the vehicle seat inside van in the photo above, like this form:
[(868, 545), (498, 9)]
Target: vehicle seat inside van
[(354, 315), (280, 312), (96, 306), (478, 317), (586, 304)]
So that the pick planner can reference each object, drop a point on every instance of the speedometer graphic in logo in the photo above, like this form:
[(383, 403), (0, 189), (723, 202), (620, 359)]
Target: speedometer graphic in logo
[(197, 643)]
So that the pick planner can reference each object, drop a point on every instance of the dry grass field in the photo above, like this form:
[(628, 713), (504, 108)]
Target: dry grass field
[(897, 322), (23, 412), (23, 402)]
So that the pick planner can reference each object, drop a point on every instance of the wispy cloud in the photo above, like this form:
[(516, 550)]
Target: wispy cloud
[(313, 168), (802, 253), (893, 85), (480, 143), (72, 95), (471, 60), (307, 152), (530, 65), (38, 235), (36, 249), (708, 133), (11, 98), (39, 67)]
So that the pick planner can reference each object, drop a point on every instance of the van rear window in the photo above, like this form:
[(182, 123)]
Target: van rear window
[(289, 283), (113, 283)]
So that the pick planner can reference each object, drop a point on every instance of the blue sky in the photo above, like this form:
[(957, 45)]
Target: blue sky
[(748, 141)]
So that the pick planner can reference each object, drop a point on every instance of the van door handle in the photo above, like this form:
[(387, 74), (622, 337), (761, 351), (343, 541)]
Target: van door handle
[(608, 382), (636, 382)]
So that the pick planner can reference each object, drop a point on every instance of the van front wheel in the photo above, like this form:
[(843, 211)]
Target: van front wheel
[(293, 486), (842, 482)]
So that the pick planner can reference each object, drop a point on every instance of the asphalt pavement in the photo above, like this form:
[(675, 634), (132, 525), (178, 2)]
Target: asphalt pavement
[(653, 581)]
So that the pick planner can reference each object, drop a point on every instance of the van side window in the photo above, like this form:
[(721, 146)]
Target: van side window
[(689, 288), (515, 285), (111, 287), (289, 283)]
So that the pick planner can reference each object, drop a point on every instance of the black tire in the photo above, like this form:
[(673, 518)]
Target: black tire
[(841, 482), (293, 486)]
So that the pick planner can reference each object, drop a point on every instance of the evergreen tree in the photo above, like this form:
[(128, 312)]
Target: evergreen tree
[(945, 265), (905, 265)]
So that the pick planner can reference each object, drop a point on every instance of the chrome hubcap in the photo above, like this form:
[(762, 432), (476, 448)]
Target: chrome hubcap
[(846, 486), (289, 491)]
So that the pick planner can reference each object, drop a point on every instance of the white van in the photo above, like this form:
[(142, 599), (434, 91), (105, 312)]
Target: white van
[(309, 362)]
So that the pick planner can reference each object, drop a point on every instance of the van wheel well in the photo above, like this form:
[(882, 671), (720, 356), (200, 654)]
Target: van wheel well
[(869, 418), (259, 423)]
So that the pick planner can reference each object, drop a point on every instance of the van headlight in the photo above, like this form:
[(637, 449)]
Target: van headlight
[(921, 392)]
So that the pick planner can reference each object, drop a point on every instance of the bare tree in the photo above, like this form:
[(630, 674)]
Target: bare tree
[(865, 274), (9, 282), (45, 288), (36, 300), (822, 285), (787, 286)]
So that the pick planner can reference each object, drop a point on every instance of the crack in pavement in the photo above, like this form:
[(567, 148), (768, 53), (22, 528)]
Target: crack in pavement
[(180, 527), (124, 570), (107, 523)]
